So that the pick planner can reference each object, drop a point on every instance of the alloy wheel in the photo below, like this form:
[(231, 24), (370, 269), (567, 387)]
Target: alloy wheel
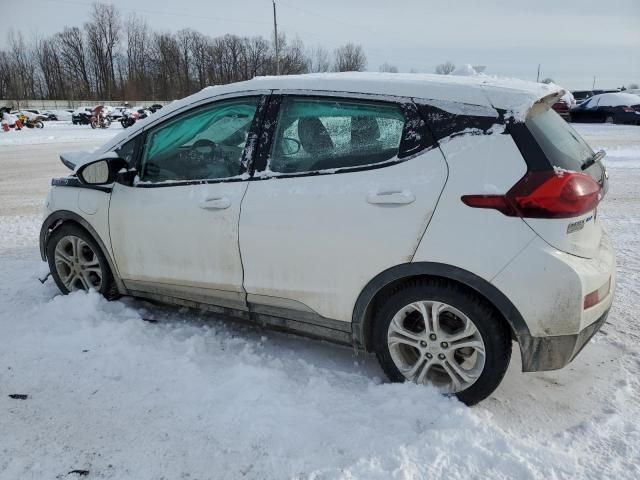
[(77, 264), (433, 342)]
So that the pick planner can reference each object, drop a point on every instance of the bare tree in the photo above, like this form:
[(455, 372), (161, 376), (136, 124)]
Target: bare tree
[(350, 58), (165, 56), (257, 57), (445, 68), (318, 60), (199, 48), (292, 58), (5, 75), (22, 71), (137, 58), (53, 84), (109, 59), (103, 35), (73, 55), (385, 67)]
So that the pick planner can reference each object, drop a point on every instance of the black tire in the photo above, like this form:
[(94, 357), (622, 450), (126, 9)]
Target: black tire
[(495, 334), (108, 287)]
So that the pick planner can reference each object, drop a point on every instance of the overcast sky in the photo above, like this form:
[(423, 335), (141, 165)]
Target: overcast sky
[(574, 40)]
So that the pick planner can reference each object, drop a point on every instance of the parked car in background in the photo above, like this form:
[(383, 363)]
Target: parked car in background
[(581, 95), (350, 207), (155, 107), (564, 105), (601, 91), (81, 116), (52, 115), (608, 108)]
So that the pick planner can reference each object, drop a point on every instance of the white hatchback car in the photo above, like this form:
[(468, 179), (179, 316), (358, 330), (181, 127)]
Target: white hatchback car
[(429, 219)]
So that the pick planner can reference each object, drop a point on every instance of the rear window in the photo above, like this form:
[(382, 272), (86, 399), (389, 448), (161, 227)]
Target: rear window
[(562, 145)]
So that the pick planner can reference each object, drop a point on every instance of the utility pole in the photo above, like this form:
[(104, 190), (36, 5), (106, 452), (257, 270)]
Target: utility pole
[(275, 30), (538, 77), (594, 83)]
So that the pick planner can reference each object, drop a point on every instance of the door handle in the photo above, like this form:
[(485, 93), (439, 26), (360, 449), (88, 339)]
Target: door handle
[(396, 197), (215, 203)]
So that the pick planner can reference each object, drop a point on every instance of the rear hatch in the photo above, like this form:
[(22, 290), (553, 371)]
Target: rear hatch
[(558, 197), (579, 179)]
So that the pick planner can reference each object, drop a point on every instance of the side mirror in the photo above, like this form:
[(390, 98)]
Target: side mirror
[(101, 172)]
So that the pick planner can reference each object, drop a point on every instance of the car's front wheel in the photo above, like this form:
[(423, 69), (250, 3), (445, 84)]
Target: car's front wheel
[(77, 262), (435, 332)]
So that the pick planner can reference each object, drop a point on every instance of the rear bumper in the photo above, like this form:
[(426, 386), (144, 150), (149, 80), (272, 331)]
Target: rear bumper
[(552, 353), (548, 288)]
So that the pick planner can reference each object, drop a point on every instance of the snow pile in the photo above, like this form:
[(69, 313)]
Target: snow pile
[(195, 397), (123, 398), (465, 70), (59, 132)]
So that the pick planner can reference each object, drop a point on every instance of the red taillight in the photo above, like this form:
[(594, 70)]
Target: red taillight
[(628, 109), (546, 194), (596, 296)]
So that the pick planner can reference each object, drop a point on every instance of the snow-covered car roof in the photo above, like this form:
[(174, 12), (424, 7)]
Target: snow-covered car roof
[(515, 96), (615, 99)]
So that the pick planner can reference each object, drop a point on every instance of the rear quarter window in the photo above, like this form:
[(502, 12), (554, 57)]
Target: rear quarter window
[(563, 147)]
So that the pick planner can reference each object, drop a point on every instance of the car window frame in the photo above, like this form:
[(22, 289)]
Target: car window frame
[(248, 153), (407, 106)]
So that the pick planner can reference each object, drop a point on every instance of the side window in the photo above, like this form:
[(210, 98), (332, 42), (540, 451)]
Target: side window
[(323, 133), (205, 143)]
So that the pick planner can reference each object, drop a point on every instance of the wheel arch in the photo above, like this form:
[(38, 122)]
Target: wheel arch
[(384, 282), (65, 217)]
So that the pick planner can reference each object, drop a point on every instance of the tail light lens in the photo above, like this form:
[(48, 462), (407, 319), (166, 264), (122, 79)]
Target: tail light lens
[(628, 109), (546, 194), (597, 296)]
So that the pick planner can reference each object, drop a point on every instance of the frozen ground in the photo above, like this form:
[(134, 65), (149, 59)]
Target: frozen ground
[(194, 397)]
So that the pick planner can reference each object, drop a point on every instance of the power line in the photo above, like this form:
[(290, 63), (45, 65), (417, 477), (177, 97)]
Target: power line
[(326, 17), (172, 14)]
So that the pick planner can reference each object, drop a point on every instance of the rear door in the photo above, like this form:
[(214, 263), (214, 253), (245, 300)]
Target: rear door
[(344, 189)]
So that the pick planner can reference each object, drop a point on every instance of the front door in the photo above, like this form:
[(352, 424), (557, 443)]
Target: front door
[(175, 231)]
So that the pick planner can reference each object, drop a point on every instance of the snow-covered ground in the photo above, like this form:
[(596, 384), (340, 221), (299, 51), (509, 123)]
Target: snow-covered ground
[(191, 396)]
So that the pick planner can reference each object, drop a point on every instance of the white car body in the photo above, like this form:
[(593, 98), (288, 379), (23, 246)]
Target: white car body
[(310, 252)]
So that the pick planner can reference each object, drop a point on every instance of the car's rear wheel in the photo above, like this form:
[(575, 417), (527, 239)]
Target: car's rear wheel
[(435, 332), (77, 262)]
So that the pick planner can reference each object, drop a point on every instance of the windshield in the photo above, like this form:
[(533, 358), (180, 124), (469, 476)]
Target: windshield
[(562, 145)]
